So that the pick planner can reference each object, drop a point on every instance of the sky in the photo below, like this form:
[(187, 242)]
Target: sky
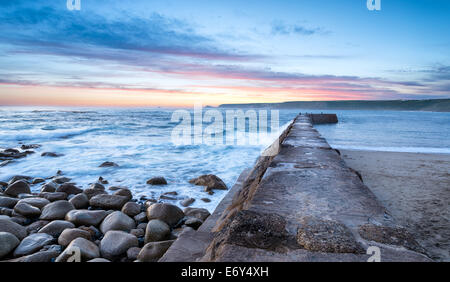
[(180, 53)]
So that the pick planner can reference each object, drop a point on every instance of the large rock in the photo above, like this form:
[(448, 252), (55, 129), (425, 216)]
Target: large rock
[(37, 180), (61, 179), (27, 210), (168, 213), (32, 244), (98, 186), (140, 217), (132, 253), (131, 209), (41, 256), (92, 192), (19, 177), (117, 221), (187, 202), (71, 234), (80, 201), (51, 154), (56, 210), (6, 212), (86, 248), (210, 181), (18, 187), (49, 187), (8, 242), (36, 202), (108, 164), (199, 213), (125, 193), (36, 226), (108, 202), (86, 217), (156, 230), (9, 226), (157, 181), (56, 227), (116, 243), (69, 189), (193, 222), (7, 202), (153, 251), (53, 196)]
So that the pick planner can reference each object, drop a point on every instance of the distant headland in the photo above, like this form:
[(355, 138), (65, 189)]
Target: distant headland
[(431, 105)]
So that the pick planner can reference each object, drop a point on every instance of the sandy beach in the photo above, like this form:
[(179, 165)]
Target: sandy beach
[(415, 188)]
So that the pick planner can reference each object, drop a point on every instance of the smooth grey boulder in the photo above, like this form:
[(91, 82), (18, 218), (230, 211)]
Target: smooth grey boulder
[(69, 189), (92, 192), (56, 210), (210, 181), (60, 179), (132, 253), (199, 213), (18, 187), (7, 202), (86, 217), (137, 232), (9, 226), (156, 230), (49, 187), (117, 221), (37, 180), (56, 227), (140, 217), (36, 202), (8, 242), (27, 210), (159, 180), (187, 202), (108, 202), (193, 222), (85, 248), (70, 234), (53, 196), (80, 201), (36, 226), (41, 256), (19, 177), (125, 193), (168, 213), (32, 244), (153, 251), (108, 164), (131, 209), (116, 243)]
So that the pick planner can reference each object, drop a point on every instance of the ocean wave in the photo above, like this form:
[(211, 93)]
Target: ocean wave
[(45, 135)]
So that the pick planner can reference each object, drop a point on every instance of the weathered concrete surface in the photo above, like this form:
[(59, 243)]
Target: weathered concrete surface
[(303, 204), (323, 118)]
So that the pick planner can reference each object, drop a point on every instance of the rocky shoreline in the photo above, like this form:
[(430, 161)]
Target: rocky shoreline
[(64, 223)]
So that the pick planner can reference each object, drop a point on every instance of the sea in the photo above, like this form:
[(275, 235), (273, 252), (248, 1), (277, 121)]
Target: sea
[(141, 142)]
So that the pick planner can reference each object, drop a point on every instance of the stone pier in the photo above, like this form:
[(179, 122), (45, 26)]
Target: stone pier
[(301, 204)]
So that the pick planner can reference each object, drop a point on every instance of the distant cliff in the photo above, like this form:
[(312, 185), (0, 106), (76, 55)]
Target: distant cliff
[(432, 105)]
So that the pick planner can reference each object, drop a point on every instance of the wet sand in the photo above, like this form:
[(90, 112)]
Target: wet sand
[(415, 188)]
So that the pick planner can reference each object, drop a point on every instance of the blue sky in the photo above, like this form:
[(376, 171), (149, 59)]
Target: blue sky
[(182, 52)]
